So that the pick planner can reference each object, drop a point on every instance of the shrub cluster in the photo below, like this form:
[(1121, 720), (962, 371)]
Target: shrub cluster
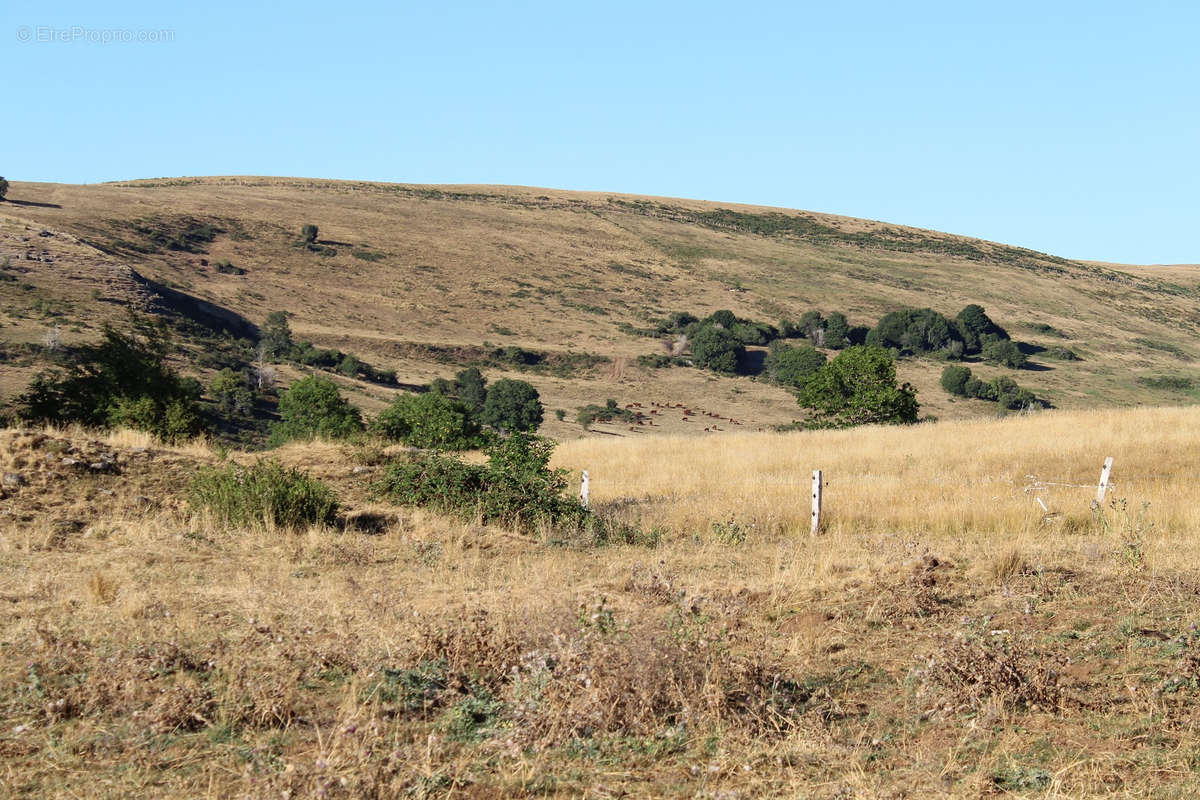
[(608, 412), (452, 414), (958, 380), (915, 331), (265, 494), (792, 366), (275, 339), (124, 380), (516, 487)]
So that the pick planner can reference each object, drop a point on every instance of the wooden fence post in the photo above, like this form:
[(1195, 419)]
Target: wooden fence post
[(1104, 473), (583, 490), (816, 502)]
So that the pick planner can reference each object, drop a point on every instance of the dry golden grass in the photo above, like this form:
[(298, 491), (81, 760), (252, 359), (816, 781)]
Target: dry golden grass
[(909, 650), (981, 478)]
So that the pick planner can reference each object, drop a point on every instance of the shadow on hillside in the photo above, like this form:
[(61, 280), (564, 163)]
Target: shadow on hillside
[(31, 203), (753, 362), (1033, 366), (332, 243)]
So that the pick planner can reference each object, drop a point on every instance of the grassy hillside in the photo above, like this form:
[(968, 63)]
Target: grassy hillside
[(419, 278), (945, 635)]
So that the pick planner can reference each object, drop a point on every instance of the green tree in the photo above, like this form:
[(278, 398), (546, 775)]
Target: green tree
[(793, 366), (1004, 352), (232, 394), (309, 232), (313, 406), (914, 330), (3, 188), (276, 336), (811, 324), (837, 331), (349, 365), (512, 406), (123, 380), (471, 389), (858, 387), (977, 328), (430, 420), (717, 348), (725, 318), (954, 379)]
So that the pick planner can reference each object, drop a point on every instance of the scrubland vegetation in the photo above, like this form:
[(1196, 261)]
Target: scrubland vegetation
[(405, 596), (167, 631)]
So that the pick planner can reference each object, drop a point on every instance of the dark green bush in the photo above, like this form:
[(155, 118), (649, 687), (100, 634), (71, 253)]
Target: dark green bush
[(122, 380), (1177, 383), (275, 336), (309, 233), (718, 349), (512, 405), (1062, 354), (429, 420), (915, 331), (1004, 352), (313, 406), (266, 494), (977, 328), (793, 366), (837, 331), (954, 379), (515, 488)]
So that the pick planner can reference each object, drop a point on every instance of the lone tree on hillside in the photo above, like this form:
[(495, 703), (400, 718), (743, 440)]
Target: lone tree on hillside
[(3, 188), (309, 232), (858, 387)]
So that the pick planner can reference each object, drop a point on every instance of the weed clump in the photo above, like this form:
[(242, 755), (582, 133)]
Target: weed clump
[(264, 494), (982, 666)]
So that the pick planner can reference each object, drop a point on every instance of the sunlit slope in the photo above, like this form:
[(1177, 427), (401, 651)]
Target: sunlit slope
[(399, 267)]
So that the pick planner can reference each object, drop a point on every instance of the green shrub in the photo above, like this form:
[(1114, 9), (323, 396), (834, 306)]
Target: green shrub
[(266, 494), (515, 488), (977, 328), (1004, 352), (837, 331), (313, 406), (512, 405), (309, 233), (430, 420), (1062, 354), (718, 349), (915, 331), (275, 336), (858, 387), (3, 188), (1177, 383), (122, 380), (954, 379), (793, 366)]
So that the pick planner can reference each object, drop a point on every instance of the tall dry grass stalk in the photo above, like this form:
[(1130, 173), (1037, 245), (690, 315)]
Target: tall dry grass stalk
[(956, 478)]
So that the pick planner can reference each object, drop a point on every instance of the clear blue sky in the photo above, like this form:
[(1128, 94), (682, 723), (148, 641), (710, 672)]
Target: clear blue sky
[(1070, 127)]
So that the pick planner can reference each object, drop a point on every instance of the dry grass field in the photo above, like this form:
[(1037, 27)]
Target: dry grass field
[(943, 636)]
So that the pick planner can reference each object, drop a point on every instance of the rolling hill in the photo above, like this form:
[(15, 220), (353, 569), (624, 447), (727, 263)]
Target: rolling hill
[(424, 279)]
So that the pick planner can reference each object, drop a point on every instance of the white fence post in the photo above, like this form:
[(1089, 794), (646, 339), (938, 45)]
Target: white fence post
[(583, 490), (1104, 473), (816, 502)]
